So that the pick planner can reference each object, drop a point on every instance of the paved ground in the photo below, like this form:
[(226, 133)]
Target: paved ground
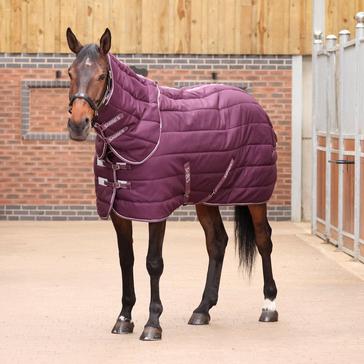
[(59, 297)]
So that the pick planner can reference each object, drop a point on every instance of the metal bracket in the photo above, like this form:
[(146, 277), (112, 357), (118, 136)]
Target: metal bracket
[(342, 161)]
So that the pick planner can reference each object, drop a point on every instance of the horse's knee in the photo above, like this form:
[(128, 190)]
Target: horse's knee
[(264, 246), (155, 266), (218, 245)]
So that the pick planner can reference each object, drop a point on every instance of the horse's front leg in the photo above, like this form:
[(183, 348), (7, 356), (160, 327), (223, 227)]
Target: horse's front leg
[(124, 232), (152, 330)]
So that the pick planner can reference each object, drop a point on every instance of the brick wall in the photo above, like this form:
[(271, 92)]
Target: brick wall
[(45, 176)]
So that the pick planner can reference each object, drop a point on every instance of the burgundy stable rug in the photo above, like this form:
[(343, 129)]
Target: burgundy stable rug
[(158, 148)]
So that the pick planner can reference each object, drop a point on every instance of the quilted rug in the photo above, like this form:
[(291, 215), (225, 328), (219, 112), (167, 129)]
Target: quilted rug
[(158, 148)]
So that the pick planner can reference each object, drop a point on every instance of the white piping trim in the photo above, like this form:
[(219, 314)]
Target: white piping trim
[(141, 220), (232, 204), (219, 184), (104, 146), (189, 204), (171, 88), (194, 88), (112, 82), (156, 146)]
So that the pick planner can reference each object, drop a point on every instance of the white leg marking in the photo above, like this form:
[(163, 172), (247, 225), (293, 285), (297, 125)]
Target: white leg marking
[(269, 305), (122, 318)]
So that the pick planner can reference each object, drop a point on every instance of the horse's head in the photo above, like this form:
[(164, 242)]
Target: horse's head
[(89, 78)]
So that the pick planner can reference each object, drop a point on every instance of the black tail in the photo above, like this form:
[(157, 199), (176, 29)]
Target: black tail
[(245, 237)]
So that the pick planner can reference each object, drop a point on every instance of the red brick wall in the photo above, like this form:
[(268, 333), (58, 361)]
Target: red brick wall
[(47, 110), (39, 174)]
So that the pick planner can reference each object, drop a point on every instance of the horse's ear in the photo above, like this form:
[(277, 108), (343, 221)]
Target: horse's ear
[(73, 43), (105, 41)]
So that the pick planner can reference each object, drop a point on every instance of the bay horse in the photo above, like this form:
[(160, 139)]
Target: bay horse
[(134, 141)]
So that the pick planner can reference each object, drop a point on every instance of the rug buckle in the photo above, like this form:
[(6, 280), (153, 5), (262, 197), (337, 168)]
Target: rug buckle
[(114, 184), (117, 166)]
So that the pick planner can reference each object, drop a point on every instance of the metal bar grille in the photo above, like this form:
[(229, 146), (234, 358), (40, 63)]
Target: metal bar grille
[(338, 131)]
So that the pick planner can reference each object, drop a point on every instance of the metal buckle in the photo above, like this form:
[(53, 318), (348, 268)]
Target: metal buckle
[(117, 184), (102, 181), (100, 162), (118, 166), (122, 184)]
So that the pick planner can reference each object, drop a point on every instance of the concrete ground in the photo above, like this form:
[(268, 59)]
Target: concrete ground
[(60, 294)]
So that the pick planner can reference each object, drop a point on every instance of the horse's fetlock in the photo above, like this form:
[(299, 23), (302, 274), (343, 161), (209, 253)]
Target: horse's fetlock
[(156, 308), (129, 301), (270, 291)]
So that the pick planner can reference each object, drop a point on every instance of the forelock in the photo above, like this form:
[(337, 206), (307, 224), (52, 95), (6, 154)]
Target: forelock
[(91, 51)]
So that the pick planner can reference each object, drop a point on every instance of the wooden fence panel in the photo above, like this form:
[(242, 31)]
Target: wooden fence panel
[(170, 26), (340, 15)]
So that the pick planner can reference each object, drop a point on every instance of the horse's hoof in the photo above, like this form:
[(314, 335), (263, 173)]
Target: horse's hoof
[(151, 334), (268, 316), (123, 326), (198, 318)]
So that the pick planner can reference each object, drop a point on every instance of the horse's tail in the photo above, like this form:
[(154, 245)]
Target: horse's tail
[(245, 237)]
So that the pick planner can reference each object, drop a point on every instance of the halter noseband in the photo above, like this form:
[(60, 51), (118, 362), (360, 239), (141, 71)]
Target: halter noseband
[(95, 107), (81, 95)]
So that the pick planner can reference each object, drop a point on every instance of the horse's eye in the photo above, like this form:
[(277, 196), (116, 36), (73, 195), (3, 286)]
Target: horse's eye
[(102, 77)]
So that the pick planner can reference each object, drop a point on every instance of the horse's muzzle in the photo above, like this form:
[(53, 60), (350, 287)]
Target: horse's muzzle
[(79, 131)]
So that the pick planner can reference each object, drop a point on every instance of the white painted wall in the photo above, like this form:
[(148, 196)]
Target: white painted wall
[(296, 150), (306, 137)]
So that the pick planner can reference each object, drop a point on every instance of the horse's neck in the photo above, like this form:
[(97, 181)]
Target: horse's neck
[(129, 93), (129, 80)]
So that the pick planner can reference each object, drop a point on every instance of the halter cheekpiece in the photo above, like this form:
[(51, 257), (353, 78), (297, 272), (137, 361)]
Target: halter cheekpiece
[(95, 107)]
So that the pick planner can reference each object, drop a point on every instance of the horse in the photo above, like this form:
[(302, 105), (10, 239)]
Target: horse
[(99, 82)]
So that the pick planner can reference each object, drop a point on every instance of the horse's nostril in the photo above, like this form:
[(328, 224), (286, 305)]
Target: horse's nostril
[(80, 126)]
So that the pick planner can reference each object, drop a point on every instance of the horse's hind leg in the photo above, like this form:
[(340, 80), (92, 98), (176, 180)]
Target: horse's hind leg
[(216, 241), (123, 228), (264, 244)]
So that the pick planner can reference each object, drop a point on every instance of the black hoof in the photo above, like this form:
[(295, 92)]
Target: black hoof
[(123, 326), (151, 334), (199, 319), (268, 316)]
